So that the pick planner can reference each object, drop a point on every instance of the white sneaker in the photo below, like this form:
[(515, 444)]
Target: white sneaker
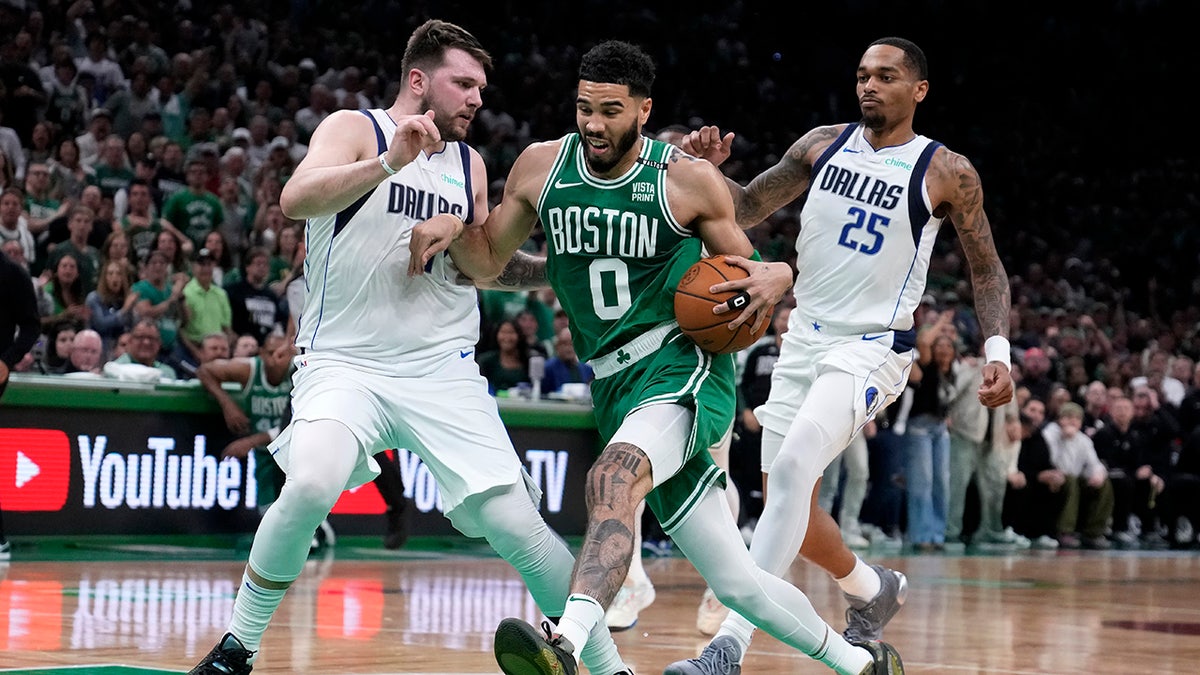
[(5, 550), (623, 613), (1184, 532), (711, 613), (855, 540), (1045, 543)]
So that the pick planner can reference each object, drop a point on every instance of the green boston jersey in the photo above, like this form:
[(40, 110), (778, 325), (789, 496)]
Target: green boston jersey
[(263, 402), (615, 251)]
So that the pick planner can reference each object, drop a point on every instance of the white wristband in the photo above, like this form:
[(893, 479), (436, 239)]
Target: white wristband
[(996, 348), (383, 162), (273, 433)]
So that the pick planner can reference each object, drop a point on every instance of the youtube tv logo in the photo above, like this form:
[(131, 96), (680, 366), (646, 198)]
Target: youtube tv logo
[(35, 469)]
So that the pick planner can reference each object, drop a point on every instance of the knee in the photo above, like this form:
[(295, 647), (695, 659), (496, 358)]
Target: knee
[(790, 469), (310, 492)]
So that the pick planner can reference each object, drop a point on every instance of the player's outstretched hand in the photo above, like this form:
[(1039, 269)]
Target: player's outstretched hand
[(997, 387), (430, 238), (414, 133), (707, 143), (766, 285)]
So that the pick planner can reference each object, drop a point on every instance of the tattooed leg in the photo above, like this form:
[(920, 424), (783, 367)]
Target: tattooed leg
[(616, 484)]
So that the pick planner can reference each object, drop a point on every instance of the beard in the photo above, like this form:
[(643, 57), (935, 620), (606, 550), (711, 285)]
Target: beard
[(874, 121), (616, 151), (442, 120)]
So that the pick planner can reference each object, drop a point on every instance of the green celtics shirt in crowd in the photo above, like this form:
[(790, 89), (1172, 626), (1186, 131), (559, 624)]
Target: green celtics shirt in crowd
[(141, 236), (194, 214), (110, 180), (41, 209), (264, 405)]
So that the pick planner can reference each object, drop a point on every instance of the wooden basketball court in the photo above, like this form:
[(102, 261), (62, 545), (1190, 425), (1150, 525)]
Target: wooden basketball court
[(126, 608)]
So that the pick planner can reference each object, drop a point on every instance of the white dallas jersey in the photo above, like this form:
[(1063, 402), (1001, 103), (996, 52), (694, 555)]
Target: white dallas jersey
[(866, 234), (360, 304)]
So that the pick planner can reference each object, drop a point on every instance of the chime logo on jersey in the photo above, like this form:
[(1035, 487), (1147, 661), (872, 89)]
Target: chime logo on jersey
[(35, 469)]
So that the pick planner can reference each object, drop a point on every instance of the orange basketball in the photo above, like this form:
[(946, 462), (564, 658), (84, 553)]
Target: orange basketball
[(694, 305)]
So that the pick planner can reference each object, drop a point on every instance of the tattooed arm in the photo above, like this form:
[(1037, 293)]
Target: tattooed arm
[(524, 272), (956, 190), (774, 188)]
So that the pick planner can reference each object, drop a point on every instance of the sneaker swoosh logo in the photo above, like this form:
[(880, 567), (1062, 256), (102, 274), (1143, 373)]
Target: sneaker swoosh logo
[(559, 185), (463, 355)]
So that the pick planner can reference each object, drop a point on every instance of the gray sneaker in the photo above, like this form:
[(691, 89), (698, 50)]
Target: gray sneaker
[(720, 657), (865, 620), (886, 660)]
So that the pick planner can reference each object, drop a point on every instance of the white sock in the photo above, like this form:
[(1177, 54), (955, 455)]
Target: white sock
[(581, 615), (252, 611), (863, 582)]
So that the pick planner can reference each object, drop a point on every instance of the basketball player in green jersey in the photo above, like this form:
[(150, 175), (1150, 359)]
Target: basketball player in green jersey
[(255, 412), (625, 216)]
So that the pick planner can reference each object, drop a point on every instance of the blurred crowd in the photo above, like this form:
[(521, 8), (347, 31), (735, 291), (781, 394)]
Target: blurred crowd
[(143, 147)]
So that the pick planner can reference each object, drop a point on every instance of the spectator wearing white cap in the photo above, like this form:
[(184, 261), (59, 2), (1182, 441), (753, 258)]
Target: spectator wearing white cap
[(90, 143)]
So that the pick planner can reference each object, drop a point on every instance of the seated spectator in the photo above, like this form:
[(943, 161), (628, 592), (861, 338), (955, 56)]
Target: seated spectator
[(214, 346), (40, 206), (527, 322), (206, 309), (158, 300), (287, 247), (222, 256), (1089, 493), (68, 174), (507, 365), (16, 253), (122, 346), (145, 344), (565, 366), (194, 210), (142, 226), (245, 347), (117, 248), (1095, 407), (177, 253), (1034, 497), (13, 225), (65, 288), (86, 355), (113, 171), (1136, 473), (87, 256), (255, 307), (1157, 376), (110, 306), (58, 346)]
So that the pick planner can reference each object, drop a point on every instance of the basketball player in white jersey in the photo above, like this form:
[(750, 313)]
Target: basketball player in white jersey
[(386, 360), (877, 194)]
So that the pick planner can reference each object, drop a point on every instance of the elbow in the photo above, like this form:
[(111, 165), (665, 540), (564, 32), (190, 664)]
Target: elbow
[(291, 202)]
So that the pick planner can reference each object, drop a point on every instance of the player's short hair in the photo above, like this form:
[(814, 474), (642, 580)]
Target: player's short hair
[(428, 44), (617, 62), (914, 58)]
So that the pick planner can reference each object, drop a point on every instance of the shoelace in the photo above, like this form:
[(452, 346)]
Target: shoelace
[(714, 661)]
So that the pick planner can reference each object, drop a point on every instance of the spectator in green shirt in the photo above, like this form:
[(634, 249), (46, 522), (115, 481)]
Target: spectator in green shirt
[(205, 308), (195, 210)]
